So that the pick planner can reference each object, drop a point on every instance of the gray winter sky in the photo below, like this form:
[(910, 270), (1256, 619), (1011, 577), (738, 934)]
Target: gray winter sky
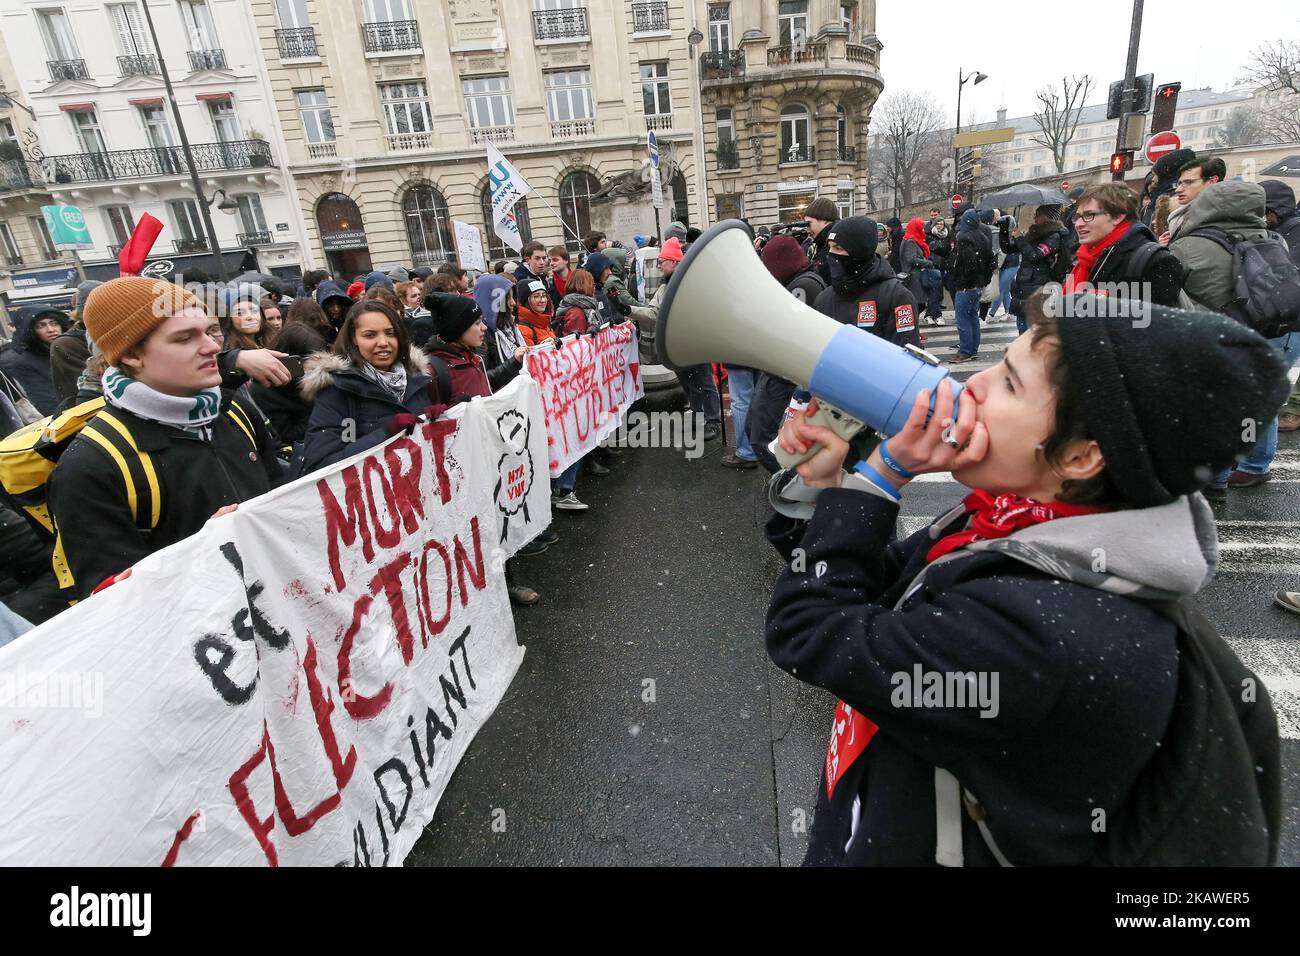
[(1023, 46)]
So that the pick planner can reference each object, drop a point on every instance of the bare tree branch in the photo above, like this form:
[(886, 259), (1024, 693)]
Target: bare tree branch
[(908, 151), (1059, 116), (1275, 69)]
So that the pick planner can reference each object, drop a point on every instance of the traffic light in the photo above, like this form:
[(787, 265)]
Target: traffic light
[(1166, 105), (1122, 161)]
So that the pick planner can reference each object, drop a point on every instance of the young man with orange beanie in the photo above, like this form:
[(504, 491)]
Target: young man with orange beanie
[(170, 449)]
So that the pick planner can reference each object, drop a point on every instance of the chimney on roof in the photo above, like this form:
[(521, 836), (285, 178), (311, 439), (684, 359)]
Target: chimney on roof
[(1002, 116)]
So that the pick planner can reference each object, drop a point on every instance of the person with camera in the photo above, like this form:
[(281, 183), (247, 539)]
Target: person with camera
[(1044, 257)]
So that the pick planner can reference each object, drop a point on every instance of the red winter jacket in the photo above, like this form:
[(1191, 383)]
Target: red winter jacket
[(468, 377)]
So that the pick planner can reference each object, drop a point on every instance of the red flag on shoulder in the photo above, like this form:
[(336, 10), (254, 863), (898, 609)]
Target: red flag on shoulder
[(131, 259)]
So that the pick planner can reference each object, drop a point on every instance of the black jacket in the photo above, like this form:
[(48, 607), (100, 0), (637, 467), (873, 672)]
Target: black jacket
[(1161, 270), (1038, 249), (911, 261), (285, 408), (89, 498), (27, 360), (883, 307), (350, 413), (940, 247), (974, 248), (1082, 704), (817, 249), (1280, 201)]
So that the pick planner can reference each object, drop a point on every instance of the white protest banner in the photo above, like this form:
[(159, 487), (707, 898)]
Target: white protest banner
[(587, 384), (508, 186), (295, 683), (469, 246)]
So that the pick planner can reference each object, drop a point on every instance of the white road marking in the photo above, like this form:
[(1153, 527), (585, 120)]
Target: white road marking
[(1274, 661)]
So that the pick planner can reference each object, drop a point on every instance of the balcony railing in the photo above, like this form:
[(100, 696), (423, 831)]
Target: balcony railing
[(246, 239), (848, 154), (195, 244), (723, 66), (20, 174), (392, 36), (650, 16), (155, 161), (491, 134), (68, 70), (570, 24), (798, 154), (728, 155), (207, 60), (298, 43), (804, 53), (7, 261), (857, 53), (573, 129), (659, 121), (429, 258), (322, 150), (146, 64), (406, 142)]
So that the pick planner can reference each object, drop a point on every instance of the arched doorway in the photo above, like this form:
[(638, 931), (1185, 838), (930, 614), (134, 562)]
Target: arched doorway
[(343, 236), (576, 190), (428, 226), (496, 249), (681, 200)]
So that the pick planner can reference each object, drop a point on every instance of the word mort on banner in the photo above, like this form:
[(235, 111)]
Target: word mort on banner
[(587, 384), (322, 660)]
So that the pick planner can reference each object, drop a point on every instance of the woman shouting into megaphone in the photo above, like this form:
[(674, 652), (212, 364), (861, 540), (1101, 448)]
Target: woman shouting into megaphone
[(1007, 675)]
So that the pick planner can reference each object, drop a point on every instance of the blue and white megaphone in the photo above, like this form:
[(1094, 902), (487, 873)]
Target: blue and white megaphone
[(722, 305)]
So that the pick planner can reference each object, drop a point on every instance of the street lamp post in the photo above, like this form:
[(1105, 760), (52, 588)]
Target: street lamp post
[(204, 202), (693, 40), (979, 78)]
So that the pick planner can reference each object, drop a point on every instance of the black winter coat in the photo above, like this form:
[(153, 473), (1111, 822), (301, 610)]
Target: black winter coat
[(285, 408), (1038, 249), (969, 270), (911, 261), (345, 400), (1162, 270), (884, 307), (89, 502), (27, 360), (1082, 702), (940, 248)]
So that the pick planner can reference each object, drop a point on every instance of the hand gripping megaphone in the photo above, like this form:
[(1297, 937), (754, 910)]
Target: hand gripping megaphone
[(722, 305)]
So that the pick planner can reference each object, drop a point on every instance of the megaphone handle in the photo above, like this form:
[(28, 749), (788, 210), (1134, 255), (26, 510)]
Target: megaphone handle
[(826, 416)]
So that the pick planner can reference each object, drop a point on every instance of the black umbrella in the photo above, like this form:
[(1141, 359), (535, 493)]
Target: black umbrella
[(1025, 194)]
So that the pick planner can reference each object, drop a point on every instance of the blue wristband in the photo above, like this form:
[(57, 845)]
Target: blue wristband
[(877, 479), (893, 465)]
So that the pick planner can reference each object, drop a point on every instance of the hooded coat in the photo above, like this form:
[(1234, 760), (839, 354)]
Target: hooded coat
[(1086, 673), (1234, 207), (347, 405), (578, 314), (329, 289), (27, 360), (972, 266), (1281, 203)]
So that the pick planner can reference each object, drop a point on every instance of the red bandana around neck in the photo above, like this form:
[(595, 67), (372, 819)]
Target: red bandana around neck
[(998, 517), (1089, 253)]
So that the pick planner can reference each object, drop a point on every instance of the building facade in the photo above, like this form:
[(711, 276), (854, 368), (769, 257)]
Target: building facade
[(108, 142), (787, 90), (386, 108)]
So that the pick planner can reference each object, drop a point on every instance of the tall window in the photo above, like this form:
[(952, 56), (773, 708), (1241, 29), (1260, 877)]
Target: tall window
[(406, 107), (89, 135), (428, 225), (128, 24), (250, 212), (726, 128), (156, 127), (844, 202), (496, 248), (120, 223), (293, 14), (224, 121), (792, 22), (681, 200), (655, 97), (568, 95), (199, 25), (796, 127), (56, 31), (488, 101), (849, 18), (43, 239), (317, 121), (188, 225), (388, 11), (575, 205), (720, 28), (841, 129), (8, 246)]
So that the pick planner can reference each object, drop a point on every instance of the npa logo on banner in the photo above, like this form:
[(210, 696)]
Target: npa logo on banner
[(295, 683), (587, 384)]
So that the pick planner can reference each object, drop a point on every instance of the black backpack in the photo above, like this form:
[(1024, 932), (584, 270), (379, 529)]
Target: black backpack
[(1063, 261), (1265, 282)]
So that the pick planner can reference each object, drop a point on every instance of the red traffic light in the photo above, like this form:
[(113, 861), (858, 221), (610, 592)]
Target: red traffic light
[(1169, 90), (1121, 161)]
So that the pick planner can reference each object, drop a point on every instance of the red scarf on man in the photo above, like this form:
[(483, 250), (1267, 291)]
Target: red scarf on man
[(1090, 252), (998, 517)]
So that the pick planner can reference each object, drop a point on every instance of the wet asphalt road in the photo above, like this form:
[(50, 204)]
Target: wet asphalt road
[(646, 725)]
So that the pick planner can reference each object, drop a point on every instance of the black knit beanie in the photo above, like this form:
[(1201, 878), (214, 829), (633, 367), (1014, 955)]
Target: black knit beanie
[(1170, 396), (452, 314), (859, 235)]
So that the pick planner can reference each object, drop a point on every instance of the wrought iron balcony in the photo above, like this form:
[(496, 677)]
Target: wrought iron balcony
[(298, 43), (491, 134), (207, 60), (809, 54), (392, 36), (406, 142), (20, 174), (659, 121), (728, 155), (650, 16), (723, 66), (572, 129), (146, 64), (193, 244), (798, 154), (570, 24), (322, 150), (67, 70), (245, 239), (156, 161), (848, 154)]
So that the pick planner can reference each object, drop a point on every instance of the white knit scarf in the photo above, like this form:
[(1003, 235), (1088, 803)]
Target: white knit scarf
[(194, 414)]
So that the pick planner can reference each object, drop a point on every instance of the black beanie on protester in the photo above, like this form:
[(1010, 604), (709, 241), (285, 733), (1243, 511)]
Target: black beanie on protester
[(452, 314), (859, 235), (1168, 402)]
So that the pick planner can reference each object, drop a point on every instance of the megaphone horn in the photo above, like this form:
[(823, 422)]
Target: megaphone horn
[(722, 305)]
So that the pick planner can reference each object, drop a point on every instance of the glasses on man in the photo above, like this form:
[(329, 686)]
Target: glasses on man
[(1188, 182), (1089, 216)]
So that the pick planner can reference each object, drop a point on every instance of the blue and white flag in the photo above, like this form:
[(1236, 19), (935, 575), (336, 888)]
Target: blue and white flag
[(508, 187)]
